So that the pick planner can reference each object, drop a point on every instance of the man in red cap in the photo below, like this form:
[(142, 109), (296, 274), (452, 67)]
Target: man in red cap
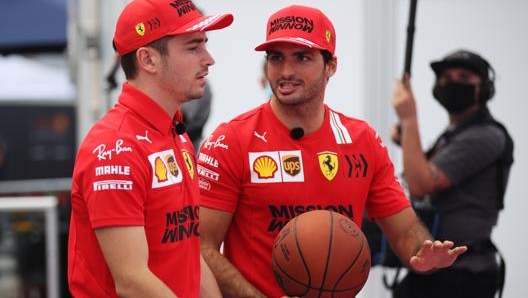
[(134, 229), (293, 154)]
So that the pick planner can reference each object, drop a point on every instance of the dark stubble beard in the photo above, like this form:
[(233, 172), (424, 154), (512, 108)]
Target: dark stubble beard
[(308, 100)]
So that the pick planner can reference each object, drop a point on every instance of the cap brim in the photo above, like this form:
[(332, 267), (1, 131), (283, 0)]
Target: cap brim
[(439, 66), (205, 23), (294, 40)]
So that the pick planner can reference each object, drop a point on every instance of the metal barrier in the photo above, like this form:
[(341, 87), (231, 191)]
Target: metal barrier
[(48, 205)]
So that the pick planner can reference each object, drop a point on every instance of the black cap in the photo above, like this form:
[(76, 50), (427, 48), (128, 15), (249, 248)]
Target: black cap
[(465, 59)]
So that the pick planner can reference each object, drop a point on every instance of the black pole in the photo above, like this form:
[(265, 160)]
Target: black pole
[(408, 52), (410, 38)]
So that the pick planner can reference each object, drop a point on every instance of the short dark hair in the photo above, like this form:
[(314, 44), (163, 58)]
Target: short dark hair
[(327, 56), (128, 61)]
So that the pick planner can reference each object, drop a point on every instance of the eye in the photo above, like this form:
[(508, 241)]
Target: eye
[(302, 57), (274, 57)]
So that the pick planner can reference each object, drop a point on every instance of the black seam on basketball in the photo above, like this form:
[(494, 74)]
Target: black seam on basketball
[(302, 256), (285, 273), (328, 252), (348, 269), (306, 286)]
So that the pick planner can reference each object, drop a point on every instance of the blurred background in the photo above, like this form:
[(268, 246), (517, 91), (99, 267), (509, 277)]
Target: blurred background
[(57, 77)]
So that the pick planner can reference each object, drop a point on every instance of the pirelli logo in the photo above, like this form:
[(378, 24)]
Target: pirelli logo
[(112, 185), (206, 173)]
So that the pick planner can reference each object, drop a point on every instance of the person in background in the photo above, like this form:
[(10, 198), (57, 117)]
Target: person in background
[(135, 197), (293, 154), (464, 174)]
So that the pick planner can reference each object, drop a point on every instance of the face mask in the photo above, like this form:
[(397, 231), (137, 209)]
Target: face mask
[(455, 97)]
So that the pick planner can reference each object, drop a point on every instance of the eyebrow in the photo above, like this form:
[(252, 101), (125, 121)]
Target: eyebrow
[(196, 40), (300, 52)]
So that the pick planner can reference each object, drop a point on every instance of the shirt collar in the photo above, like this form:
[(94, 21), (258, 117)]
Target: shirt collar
[(148, 109)]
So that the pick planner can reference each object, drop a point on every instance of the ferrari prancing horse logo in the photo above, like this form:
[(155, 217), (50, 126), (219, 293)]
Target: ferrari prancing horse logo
[(188, 163), (328, 163)]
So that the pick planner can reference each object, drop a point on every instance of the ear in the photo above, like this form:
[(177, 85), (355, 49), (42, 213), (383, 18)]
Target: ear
[(331, 67), (148, 59)]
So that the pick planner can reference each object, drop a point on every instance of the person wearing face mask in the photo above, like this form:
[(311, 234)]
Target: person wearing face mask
[(464, 175)]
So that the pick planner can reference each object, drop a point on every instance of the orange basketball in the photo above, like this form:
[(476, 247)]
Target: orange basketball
[(321, 254)]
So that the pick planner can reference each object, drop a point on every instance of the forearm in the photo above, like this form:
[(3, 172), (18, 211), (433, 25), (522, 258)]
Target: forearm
[(142, 285), (415, 165), (231, 282), (405, 233), (208, 285), (126, 254), (411, 242)]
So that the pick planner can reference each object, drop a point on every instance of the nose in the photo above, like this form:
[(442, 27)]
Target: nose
[(287, 69), (209, 60)]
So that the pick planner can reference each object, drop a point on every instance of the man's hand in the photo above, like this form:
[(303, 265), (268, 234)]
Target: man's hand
[(435, 255), (403, 100)]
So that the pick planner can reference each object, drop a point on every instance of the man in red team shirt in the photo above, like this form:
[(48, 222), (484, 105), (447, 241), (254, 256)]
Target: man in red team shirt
[(293, 154), (135, 196)]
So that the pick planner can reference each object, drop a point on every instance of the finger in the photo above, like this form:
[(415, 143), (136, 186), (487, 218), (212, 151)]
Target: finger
[(427, 244), (444, 245), (459, 250), (406, 80)]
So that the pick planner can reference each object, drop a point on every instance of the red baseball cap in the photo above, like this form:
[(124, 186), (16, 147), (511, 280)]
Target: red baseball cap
[(301, 25), (143, 21)]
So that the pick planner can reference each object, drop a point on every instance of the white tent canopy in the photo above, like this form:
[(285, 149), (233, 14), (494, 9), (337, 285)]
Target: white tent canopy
[(35, 80)]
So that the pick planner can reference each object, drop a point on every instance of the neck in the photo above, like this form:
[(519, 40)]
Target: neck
[(307, 116), (156, 94), (459, 118)]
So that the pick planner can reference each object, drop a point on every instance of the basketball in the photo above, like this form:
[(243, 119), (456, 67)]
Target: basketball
[(321, 254)]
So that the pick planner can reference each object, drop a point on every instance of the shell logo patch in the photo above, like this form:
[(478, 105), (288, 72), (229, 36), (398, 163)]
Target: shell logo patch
[(160, 170), (329, 164), (165, 169), (140, 29), (276, 166), (265, 167)]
